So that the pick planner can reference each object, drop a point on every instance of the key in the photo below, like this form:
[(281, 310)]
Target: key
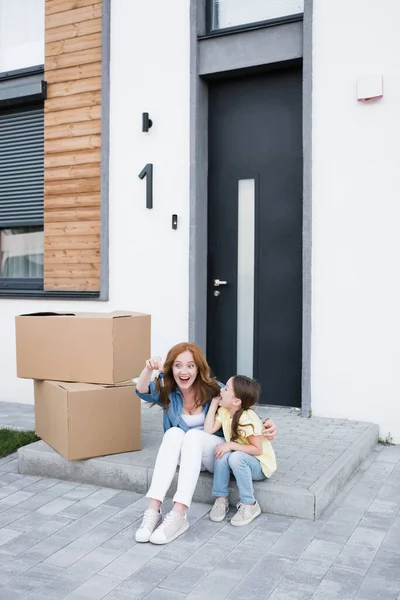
[(161, 379)]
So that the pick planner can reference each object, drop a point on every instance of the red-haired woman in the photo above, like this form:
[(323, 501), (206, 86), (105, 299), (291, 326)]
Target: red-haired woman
[(185, 394)]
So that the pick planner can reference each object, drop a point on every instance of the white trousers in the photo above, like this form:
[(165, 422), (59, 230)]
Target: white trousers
[(194, 451)]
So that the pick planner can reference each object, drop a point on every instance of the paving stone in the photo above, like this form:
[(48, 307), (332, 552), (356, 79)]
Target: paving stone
[(82, 546), (14, 499), (215, 585), (131, 561), (308, 572), (19, 587), (193, 539), (146, 579), (123, 540), (184, 578), (95, 588), (123, 499), (377, 588), (55, 506), (291, 543), (209, 555), (340, 582), (377, 520), (286, 590), (261, 586), (6, 535), (392, 539), (321, 550), (386, 565), (356, 557), (367, 536), (162, 594)]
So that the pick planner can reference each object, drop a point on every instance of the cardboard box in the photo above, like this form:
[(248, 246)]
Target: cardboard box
[(102, 348), (82, 420)]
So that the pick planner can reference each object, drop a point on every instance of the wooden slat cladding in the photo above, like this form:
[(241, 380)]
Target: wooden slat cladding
[(74, 30), (73, 52), (77, 44)]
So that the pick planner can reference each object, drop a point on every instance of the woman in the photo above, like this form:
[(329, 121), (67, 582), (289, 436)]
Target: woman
[(184, 393)]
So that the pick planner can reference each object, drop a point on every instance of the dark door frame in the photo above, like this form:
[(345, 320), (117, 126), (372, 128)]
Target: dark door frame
[(198, 178)]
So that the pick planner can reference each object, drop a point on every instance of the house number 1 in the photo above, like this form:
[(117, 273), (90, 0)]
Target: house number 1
[(147, 172)]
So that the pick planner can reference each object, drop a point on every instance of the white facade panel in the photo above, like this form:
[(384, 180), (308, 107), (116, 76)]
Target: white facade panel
[(356, 215)]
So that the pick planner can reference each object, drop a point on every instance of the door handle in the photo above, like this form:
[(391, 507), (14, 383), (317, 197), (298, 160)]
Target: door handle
[(218, 282)]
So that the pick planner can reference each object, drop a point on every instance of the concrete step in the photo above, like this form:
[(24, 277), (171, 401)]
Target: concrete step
[(315, 459)]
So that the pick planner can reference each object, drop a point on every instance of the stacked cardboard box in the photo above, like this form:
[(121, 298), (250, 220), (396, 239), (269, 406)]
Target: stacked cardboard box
[(83, 365)]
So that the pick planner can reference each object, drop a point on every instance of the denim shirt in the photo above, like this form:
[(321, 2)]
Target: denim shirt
[(172, 417)]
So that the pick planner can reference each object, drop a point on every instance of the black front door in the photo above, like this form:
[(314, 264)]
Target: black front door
[(254, 318)]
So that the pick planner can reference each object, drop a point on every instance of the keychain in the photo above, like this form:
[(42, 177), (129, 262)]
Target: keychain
[(161, 379)]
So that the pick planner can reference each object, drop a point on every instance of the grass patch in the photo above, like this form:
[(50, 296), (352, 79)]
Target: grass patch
[(11, 440)]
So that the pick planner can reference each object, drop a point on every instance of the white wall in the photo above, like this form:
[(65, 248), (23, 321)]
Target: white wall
[(148, 260), (356, 214), (21, 34)]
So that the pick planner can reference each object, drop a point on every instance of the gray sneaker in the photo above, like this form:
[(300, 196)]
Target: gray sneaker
[(172, 527), (246, 514), (219, 510)]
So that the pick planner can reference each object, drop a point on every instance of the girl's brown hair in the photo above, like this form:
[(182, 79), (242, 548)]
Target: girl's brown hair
[(205, 387), (248, 391)]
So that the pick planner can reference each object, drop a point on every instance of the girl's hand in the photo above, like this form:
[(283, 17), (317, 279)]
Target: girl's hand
[(155, 364), (216, 400), (222, 449), (269, 430)]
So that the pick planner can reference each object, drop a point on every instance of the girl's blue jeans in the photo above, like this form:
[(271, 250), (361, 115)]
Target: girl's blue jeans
[(245, 468)]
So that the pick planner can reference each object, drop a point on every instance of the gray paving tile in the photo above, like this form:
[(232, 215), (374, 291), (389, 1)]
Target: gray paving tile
[(340, 582), (123, 499), (321, 550), (162, 594), (95, 588), (261, 586), (386, 565), (391, 541), (308, 572), (286, 590), (356, 557), (378, 588), (291, 543), (130, 561), (184, 578), (216, 585), (367, 536)]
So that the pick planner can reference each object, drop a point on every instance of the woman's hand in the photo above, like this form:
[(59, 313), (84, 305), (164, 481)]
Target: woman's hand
[(155, 363), (269, 430), (222, 449)]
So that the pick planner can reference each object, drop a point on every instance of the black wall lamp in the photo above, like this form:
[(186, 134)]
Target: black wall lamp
[(146, 122)]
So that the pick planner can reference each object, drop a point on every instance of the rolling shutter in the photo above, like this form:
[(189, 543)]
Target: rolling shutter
[(21, 167)]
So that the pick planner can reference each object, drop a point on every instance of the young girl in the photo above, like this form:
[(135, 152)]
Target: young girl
[(246, 453)]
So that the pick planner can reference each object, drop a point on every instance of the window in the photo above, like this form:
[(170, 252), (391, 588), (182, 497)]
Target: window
[(21, 198), (21, 34), (224, 14)]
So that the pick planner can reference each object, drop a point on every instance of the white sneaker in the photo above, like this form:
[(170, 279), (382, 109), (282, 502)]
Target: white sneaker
[(151, 519), (172, 527), (219, 510), (246, 514)]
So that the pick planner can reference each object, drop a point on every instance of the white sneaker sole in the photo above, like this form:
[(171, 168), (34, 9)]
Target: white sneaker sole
[(248, 521), (171, 539), (146, 541), (218, 519)]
